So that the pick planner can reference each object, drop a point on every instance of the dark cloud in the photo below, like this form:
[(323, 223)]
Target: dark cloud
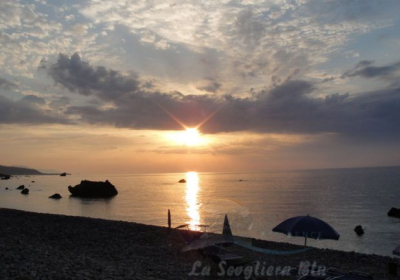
[(291, 107), (367, 70), (78, 76), (7, 85), (26, 112), (149, 111)]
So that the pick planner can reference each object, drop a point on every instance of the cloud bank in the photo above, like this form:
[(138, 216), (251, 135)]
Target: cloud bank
[(27, 111), (295, 106)]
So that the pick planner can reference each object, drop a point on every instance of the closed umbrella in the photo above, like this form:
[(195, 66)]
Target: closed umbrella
[(307, 227), (396, 251), (227, 236), (225, 239)]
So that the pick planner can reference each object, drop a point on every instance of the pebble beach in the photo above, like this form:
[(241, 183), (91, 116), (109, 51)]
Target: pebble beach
[(47, 246)]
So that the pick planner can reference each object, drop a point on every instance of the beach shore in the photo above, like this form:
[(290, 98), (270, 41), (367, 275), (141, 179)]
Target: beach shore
[(46, 246)]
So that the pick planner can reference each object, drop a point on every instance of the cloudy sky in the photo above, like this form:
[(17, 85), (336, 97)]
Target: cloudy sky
[(108, 86)]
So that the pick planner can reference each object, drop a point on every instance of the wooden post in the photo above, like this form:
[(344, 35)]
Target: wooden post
[(169, 227), (169, 220)]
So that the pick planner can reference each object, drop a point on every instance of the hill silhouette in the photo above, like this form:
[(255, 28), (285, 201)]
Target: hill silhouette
[(11, 170)]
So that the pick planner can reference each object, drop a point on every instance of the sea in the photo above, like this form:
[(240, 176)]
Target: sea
[(254, 202)]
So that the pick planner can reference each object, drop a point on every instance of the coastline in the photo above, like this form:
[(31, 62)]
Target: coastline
[(48, 246)]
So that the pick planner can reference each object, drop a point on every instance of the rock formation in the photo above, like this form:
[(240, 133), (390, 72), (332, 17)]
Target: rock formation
[(25, 191), (394, 212), (93, 189), (359, 230), (55, 196)]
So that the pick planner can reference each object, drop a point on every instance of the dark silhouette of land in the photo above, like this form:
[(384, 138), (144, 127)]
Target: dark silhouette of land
[(16, 171), (11, 170)]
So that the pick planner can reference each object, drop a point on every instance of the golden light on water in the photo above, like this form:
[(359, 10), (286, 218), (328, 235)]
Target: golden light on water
[(192, 189)]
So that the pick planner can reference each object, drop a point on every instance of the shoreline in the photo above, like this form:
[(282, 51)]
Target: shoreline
[(49, 246)]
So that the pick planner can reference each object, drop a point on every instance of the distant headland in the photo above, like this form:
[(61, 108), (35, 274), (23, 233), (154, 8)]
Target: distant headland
[(13, 171)]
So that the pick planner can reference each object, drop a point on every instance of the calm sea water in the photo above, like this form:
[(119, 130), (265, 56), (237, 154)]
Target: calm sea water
[(343, 197)]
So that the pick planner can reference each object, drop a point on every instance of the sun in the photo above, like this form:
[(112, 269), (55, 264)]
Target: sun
[(191, 137)]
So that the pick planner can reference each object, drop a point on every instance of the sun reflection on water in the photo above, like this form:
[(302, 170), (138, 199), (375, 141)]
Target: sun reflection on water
[(192, 189)]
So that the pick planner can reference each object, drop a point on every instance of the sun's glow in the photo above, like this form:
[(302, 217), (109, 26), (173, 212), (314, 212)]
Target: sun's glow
[(191, 137), (188, 137)]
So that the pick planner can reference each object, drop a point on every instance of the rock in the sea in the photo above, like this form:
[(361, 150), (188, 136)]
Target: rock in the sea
[(93, 189), (182, 181), (6, 188), (25, 191), (21, 187), (394, 212), (56, 196), (359, 230), (5, 176), (63, 174)]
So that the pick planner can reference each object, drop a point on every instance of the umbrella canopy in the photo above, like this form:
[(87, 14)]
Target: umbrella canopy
[(308, 227), (396, 251)]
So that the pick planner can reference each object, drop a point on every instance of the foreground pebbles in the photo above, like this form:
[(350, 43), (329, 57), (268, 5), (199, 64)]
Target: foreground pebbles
[(44, 246)]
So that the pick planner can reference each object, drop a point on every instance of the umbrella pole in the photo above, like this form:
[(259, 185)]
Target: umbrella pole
[(305, 242)]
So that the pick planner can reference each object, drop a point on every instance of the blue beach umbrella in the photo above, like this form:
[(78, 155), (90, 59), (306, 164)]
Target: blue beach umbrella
[(307, 227)]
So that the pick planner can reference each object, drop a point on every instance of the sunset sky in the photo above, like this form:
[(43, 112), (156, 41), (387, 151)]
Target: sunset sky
[(110, 86)]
